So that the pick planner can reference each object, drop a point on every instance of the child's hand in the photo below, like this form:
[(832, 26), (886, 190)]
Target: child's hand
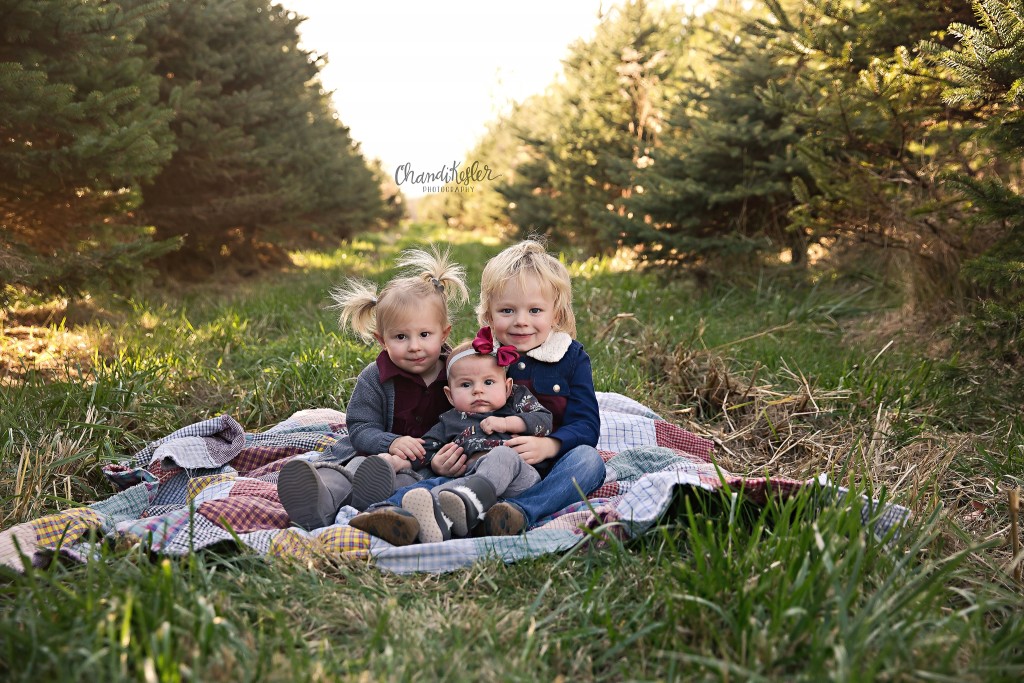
[(534, 449), (409, 447), (449, 461), (507, 425), (397, 462)]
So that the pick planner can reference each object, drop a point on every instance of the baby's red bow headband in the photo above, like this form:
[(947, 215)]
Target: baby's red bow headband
[(483, 344)]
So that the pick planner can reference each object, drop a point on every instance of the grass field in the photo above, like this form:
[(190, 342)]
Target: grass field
[(790, 373)]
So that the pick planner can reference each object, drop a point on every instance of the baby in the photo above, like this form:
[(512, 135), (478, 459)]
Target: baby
[(487, 409)]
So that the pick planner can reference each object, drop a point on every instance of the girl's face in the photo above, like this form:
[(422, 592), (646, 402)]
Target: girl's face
[(522, 315), (477, 385), (414, 342)]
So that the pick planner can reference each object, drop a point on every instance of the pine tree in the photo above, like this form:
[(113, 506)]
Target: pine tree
[(719, 184), (261, 155), (581, 138), (988, 72), (876, 134), (80, 128)]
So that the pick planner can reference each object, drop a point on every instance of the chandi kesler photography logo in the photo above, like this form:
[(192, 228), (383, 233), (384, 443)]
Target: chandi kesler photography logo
[(449, 178)]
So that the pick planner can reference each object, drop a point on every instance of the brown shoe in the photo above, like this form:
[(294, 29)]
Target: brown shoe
[(504, 519), (390, 523)]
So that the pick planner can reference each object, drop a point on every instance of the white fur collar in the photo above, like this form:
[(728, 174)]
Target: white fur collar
[(552, 350)]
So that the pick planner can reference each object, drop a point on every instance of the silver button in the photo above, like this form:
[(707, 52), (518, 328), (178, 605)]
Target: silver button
[(556, 388), (522, 365)]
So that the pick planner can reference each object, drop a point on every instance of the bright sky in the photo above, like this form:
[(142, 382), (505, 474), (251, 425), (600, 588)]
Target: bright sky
[(417, 82)]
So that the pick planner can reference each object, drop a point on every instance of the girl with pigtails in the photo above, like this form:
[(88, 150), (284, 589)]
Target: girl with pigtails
[(397, 398)]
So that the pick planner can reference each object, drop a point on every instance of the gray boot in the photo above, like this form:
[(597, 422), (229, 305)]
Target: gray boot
[(465, 502), (312, 493), (372, 482)]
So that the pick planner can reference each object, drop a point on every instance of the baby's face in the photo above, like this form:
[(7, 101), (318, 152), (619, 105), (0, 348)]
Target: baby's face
[(477, 385)]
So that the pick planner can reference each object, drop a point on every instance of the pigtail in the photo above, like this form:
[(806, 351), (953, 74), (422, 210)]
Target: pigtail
[(437, 268), (356, 300)]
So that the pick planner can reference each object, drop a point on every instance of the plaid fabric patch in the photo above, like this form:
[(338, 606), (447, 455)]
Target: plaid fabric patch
[(259, 489), (275, 447), (609, 402), (344, 541), (633, 463), (223, 423), (173, 490), (272, 468), (128, 504), (198, 533), (294, 544), (259, 540), (156, 531), (309, 420), (620, 431), (674, 436), (125, 476), (244, 513), (65, 527), (442, 557), (607, 490), (199, 484)]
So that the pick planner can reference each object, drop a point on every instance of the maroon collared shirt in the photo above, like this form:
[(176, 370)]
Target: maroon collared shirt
[(417, 405)]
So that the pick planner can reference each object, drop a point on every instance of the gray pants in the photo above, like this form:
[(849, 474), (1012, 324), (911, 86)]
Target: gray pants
[(504, 469)]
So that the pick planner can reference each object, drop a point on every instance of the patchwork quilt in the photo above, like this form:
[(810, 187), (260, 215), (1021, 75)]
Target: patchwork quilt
[(213, 483)]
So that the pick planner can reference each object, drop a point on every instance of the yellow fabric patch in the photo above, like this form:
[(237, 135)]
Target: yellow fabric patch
[(295, 545), (196, 486), (346, 541), (65, 527)]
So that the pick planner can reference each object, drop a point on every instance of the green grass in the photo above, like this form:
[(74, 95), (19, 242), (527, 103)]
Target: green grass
[(720, 591)]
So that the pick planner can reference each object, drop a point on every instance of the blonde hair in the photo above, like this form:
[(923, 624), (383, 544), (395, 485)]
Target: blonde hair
[(430, 276), (518, 263)]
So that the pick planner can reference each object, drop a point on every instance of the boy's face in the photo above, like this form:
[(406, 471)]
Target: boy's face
[(414, 342), (477, 385), (522, 315)]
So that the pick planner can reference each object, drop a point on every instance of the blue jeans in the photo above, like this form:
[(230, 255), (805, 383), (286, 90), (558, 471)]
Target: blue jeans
[(396, 497), (582, 465)]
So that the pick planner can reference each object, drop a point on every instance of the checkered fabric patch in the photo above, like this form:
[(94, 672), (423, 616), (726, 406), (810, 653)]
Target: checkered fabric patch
[(198, 533), (259, 540), (609, 402), (275, 447), (295, 544), (674, 436), (259, 489), (620, 431), (199, 484), (156, 531), (244, 513), (223, 423), (344, 541), (124, 476), (441, 557), (65, 527), (126, 505), (607, 490), (309, 420)]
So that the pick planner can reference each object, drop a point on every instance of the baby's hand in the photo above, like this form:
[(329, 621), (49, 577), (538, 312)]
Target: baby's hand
[(397, 462), (409, 447), (492, 424), (449, 461), (506, 425)]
